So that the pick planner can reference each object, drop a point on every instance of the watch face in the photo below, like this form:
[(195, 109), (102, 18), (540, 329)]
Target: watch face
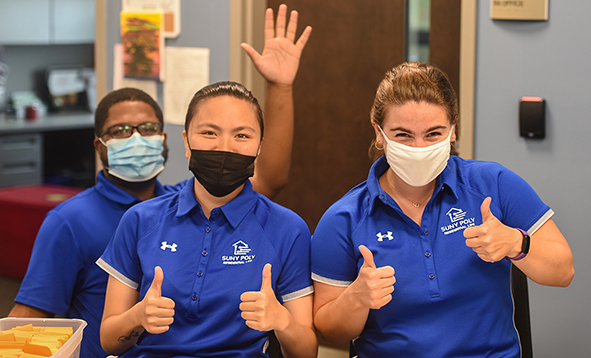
[(525, 242)]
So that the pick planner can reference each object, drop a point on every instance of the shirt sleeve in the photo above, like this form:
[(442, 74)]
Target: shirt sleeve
[(120, 258), (334, 259), (520, 204), (55, 264), (294, 280)]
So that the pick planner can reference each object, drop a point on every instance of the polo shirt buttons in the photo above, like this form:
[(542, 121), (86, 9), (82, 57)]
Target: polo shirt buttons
[(426, 231), (427, 254), (207, 229), (194, 297), (431, 276), (200, 273), (204, 253)]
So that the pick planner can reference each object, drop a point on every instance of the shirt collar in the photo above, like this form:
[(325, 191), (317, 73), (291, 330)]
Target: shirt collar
[(118, 195), (234, 211), (447, 178)]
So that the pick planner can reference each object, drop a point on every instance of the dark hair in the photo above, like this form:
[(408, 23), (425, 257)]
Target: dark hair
[(122, 95), (218, 89), (416, 82)]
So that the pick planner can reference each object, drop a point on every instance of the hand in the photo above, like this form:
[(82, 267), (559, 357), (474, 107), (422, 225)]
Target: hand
[(373, 286), (281, 56), (260, 309), (157, 312), (492, 240)]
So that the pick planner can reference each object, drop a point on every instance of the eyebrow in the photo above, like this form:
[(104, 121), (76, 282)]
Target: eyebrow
[(216, 127), (405, 130)]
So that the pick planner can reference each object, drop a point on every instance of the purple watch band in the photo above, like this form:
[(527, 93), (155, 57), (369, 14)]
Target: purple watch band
[(524, 246)]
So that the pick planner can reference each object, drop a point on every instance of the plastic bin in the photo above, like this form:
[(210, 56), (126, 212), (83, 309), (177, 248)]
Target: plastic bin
[(70, 349)]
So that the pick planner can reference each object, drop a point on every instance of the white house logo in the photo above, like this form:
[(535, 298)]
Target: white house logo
[(458, 221), (165, 246), (241, 254), (381, 236)]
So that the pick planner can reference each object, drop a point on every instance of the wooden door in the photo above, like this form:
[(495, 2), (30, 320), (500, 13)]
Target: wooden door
[(353, 44)]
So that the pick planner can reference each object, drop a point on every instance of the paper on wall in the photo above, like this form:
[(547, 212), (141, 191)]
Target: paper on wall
[(119, 81), (187, 71), (171, 10)]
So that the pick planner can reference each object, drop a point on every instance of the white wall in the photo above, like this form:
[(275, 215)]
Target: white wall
[(551, 60)]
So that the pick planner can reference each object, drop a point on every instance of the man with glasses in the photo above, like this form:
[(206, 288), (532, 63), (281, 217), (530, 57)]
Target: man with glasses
[(62, 277)]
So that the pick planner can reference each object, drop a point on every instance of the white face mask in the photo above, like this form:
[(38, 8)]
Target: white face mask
[(417, 166)]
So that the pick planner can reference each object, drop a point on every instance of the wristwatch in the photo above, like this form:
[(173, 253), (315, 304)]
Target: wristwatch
[(524, 245)]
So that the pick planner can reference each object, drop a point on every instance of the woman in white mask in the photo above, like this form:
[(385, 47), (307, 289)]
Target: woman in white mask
[(416, 260)]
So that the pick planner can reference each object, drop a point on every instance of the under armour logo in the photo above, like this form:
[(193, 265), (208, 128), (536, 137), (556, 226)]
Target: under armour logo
[(381, 236), (166, 246)]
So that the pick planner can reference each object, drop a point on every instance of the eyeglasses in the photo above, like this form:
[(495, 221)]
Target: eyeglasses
[(126, 130)]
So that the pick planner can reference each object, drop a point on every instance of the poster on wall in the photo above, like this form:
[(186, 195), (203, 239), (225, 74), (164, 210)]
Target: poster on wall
[(120, 81), (143, 45), (170, 10)]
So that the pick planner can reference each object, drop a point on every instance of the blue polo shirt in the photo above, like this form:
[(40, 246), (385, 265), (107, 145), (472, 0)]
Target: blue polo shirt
[(207, 265), (62, 277), (447, 302)]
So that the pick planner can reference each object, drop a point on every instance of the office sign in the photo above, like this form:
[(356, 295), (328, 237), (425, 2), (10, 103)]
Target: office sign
[(530, 10)]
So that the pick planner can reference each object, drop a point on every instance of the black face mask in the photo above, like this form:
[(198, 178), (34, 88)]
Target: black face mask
[(220, 172)]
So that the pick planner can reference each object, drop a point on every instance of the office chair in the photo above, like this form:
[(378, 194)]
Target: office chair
[(520, 315), (274, 349)]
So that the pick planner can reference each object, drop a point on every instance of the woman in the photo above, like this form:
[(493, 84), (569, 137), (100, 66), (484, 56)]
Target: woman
[(208, 271), (442, 230)]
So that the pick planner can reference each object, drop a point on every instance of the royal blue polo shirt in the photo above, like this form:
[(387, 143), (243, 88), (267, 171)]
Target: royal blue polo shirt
[(207, 265), (62, 277), (447, 302)]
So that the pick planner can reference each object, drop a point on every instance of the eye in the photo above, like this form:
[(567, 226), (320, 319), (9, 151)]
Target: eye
[(242, 136), (434, 134), (402, 135), (119, 131)]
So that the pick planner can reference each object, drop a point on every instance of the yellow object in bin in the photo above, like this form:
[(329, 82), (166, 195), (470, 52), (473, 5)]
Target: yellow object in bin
[(61, 337)]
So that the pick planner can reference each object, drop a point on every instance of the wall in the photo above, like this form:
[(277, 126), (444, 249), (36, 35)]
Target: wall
[(551, 60), (203, 24)]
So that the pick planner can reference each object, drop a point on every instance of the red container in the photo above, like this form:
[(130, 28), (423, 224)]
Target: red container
[(22, 210)]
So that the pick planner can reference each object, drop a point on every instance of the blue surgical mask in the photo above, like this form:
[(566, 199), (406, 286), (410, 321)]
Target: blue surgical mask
[(136, 158)]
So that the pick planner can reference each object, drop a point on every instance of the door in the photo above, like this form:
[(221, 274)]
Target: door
[(353, 44)]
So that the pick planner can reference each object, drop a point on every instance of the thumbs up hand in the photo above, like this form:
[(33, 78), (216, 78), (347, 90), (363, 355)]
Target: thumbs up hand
[(492, 240), (260, 309), (156, 314), (373, 286)]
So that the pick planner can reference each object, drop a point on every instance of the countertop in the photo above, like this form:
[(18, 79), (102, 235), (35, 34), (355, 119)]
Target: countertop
[(52, 122)]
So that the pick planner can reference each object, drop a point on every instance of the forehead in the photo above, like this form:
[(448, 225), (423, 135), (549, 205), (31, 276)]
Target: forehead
[(130, 112), (225, 111), (415, 116)]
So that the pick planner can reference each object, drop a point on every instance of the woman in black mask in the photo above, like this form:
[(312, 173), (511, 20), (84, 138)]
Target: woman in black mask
[(237, 265)]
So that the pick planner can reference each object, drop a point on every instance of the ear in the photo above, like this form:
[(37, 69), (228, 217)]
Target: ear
[(453, 137), (101, 151), (379, 137), (187, 150)]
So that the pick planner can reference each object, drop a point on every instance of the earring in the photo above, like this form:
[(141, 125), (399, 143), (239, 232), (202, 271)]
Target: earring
[(375, 144)]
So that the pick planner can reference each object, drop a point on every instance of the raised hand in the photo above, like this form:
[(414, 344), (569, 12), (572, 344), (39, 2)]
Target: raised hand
[(157, 312), (280, 59), (373, 286), (260, 309), (492, 240)]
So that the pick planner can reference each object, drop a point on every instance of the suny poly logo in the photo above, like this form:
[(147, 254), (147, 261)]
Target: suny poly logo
[(241, 254), (458, 221)]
